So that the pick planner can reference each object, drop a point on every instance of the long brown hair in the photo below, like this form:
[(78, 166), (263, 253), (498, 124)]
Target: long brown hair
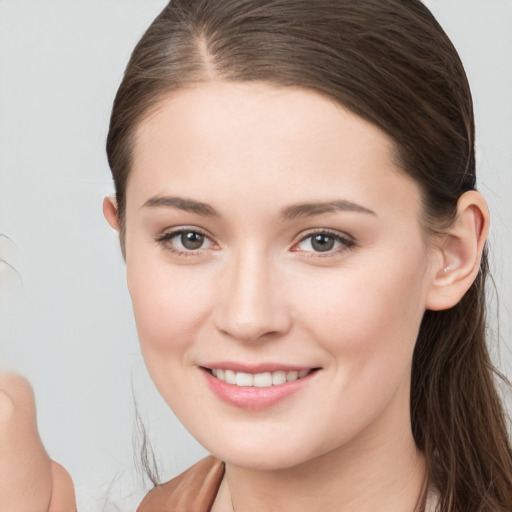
[(390, 62)]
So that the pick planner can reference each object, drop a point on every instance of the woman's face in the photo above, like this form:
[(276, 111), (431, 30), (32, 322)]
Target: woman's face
[(278, 271)]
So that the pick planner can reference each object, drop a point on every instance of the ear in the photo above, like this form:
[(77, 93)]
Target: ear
[(110, 212), (459, 253)]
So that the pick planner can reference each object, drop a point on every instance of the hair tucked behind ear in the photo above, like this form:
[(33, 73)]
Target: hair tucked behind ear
[(390, 62), (456, 414)]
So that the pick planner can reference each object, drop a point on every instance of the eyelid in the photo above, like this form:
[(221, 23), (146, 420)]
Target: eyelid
[(170, 233), (347, 242)]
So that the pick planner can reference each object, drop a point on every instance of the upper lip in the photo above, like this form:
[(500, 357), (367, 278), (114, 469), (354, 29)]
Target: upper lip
[(256, 368)]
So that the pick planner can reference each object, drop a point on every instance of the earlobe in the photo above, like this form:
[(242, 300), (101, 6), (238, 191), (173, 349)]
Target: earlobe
[(110, 212), (460, 253)]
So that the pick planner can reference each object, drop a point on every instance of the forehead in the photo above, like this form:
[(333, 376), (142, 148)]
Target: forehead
[(237, 110), (252, 138)]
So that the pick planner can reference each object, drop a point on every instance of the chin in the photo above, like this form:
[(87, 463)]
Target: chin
[(261, 460), (262, 453)]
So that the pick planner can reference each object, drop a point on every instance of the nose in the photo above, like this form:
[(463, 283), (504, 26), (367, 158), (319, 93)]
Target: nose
[(252, 302)]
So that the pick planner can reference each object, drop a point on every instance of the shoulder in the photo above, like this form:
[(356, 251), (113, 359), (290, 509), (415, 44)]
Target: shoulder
[(192, 491)]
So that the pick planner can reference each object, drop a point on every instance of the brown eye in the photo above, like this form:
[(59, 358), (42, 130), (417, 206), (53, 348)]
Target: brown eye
[(191, 240), (322, 243), (185, 241)]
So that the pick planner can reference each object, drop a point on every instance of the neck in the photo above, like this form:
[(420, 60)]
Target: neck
[(379, 471)]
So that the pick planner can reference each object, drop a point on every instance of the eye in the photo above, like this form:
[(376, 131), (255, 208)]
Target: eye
[(185, 241), (190, 240), (324, 242)]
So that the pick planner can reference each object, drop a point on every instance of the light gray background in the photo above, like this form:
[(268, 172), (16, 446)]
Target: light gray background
[(66, 320)]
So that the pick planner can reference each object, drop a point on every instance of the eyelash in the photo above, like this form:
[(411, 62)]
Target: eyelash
[(166, 237), (346, 243)]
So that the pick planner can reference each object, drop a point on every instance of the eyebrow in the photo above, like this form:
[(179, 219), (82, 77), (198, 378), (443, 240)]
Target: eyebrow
[(291, 212), (188, 205), (311, 209)]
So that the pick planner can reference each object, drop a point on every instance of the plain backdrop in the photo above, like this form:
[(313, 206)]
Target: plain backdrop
[(66, 320)]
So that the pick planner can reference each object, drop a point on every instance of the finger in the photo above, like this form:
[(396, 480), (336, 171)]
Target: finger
[(63, 490), (25, 468), (6, 408)]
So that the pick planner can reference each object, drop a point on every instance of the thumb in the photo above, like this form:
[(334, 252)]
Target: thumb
[(25, 468), (63, 490)]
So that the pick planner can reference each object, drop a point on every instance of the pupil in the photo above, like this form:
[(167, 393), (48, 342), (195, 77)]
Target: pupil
[(322, 243), (192, 240)]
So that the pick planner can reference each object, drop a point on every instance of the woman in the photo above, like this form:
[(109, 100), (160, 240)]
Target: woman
[(305, 247), (295, 197)]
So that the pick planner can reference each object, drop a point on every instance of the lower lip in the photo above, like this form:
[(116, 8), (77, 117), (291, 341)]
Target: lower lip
[(254, 398)]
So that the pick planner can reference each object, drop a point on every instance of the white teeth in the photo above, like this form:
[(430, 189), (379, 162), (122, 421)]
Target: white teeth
[(292, 376), (244, 379), (258, 380), (278, 378), (262, 380), (230, 377)]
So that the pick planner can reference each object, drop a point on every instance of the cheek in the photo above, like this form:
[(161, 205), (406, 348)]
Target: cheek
[(368, 317), (170, 303), (367, 322)]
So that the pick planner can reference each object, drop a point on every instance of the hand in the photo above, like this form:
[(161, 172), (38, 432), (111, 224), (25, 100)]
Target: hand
[(29, 480)]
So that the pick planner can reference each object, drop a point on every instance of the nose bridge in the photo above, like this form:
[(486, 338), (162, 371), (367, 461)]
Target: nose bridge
[(251, 305)]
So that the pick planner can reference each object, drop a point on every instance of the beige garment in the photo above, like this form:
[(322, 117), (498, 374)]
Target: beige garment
[(192, 491), (195, 490), (432, 500)]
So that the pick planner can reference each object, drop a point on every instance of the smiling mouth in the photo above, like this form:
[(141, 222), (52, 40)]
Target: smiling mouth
[(259, 380)]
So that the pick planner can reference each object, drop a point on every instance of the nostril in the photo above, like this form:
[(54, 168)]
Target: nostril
[(251, 326), (250, 305)]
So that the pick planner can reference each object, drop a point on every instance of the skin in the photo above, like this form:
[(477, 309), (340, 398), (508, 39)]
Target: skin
[(258, 291), (29, 479)]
